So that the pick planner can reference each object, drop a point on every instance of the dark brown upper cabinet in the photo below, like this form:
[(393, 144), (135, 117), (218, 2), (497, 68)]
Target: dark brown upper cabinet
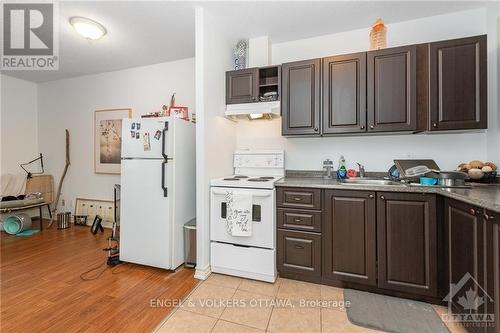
[(458, 84), (392, 89), (300, 102), (344, 94), (407, 242), (349, 237), (242, 86)]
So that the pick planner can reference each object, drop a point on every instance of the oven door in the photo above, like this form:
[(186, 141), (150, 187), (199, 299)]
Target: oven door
[(263, 216)]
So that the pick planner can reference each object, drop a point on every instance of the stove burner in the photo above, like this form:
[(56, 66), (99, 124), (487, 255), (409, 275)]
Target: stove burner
[(232, 179), (261, 179), (266, 177), (240, 176)]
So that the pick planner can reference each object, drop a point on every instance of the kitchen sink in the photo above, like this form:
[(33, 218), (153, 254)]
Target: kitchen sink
[(370, 181)]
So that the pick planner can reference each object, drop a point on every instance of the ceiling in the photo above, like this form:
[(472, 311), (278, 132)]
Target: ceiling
[(143, 33)]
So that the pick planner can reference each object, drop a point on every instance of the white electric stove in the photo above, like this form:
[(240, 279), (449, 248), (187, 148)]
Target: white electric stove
[(252, 256)]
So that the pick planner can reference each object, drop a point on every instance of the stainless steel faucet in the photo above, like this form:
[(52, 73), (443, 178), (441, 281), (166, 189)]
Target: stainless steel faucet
[(361, 170), (328, 168)]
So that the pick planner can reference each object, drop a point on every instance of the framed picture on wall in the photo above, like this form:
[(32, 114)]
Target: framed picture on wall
[(108, 139)]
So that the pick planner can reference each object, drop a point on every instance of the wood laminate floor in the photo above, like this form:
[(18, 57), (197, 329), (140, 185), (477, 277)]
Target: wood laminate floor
[(41, 288)]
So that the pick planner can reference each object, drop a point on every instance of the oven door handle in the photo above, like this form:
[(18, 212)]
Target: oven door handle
[(218, 192)]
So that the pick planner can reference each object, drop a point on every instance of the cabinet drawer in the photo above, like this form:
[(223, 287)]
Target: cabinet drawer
[(299, 253), (304, 220), (309, 198)]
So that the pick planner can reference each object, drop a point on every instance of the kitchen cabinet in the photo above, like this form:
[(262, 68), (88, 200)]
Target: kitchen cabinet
[(492, 258), (299, 216), (470, 248), (299, 253), (300, 102), (242, 86), (344, 94), (392, 89), (349, 237), (458, 84), (407, 242), (434, 86)]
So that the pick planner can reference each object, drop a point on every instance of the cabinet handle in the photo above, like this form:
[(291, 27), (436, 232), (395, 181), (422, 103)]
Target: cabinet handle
[(488, 217), (362, 127), (382, 197), (297, 199), (315, 129), (298, 220), (372, 127), (299, 247), (434, 125), (371, 196), (472, 211)]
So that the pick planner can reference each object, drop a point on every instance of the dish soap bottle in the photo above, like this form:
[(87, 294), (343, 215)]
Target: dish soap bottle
[(342, 170)]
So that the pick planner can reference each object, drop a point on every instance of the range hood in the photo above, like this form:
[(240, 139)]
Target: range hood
[(253, 111)]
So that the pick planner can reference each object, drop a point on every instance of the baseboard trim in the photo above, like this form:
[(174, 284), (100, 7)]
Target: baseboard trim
[(202, 273)]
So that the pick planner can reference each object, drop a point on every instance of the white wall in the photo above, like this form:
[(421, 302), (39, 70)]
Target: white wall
[(19, 133), (71, 104), (377, 152), (215, 135)]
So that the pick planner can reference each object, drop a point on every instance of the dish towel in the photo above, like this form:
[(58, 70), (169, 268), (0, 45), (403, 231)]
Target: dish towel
[(239, 213)]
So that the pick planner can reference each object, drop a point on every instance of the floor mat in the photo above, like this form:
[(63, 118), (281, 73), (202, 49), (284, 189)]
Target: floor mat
[(392, 314), (27, 233)]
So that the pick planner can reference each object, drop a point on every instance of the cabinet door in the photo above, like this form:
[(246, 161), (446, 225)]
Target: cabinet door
[(349, 236), (299, 253), (407, 236), (492, 259), (458, 84), (391, 84), (344, 94), (465, 230), (300, 102), (242, 86)]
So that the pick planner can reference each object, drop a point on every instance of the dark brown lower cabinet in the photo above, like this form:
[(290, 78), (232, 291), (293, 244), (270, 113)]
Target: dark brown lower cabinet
[(407, 242), (473, 264), (492, 258), (465, 253), (349, 237), (299, 253)]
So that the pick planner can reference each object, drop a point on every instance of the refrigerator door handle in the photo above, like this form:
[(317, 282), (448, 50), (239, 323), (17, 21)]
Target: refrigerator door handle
[(163, 135), (165, 191)]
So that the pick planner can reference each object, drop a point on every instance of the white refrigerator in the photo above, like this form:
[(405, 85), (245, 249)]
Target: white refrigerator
[(157, 190)]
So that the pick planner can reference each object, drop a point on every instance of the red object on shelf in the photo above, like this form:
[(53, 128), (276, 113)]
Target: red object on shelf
[(351, 173), (179, 112)]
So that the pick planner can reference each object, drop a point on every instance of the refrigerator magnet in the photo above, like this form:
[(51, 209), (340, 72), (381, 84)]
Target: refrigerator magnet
[(146, 143), (138, 125), (132, 134), (133, 126), (158, 135), (137, 134)]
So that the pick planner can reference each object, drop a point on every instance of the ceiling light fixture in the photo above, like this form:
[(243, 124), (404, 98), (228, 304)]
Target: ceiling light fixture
[(87, 28)]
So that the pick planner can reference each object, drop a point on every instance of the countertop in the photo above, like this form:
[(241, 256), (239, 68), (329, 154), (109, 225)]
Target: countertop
[(485, 196)]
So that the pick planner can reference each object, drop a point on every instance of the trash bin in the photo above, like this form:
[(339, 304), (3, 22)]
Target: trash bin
[(190, 244)]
